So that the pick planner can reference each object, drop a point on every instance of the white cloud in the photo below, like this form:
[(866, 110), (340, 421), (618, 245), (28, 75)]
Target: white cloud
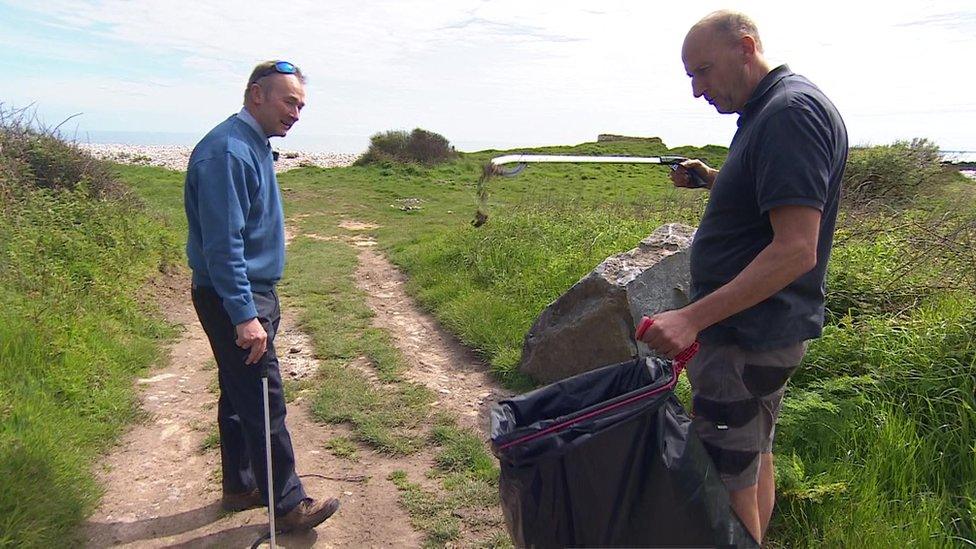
[(499, 72)]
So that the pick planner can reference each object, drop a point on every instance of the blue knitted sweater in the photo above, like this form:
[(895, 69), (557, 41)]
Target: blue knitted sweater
[(236, 238)]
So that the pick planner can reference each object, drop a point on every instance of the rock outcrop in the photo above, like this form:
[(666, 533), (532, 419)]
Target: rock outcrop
[(592, 324)]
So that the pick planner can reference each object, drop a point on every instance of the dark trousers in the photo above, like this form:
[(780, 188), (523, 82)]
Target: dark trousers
[(240, 410)]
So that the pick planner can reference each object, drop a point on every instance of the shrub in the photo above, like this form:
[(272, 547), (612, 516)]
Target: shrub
[(890, 174), (419, 146), (32, 154), (429, 148)]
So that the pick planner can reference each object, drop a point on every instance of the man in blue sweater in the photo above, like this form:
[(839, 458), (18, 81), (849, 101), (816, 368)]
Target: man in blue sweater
[(759, 257), (236, 249)]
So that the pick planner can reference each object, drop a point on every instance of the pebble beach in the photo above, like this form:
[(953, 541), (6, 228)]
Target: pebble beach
[(175, 157)]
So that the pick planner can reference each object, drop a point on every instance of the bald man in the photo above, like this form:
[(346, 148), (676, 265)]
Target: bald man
[(759, 257)]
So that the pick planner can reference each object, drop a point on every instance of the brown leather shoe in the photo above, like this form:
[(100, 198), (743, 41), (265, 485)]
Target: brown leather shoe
[(241, 502), (308, 514)]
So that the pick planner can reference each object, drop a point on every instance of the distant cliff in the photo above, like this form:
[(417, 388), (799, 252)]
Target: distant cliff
[(613, 137)]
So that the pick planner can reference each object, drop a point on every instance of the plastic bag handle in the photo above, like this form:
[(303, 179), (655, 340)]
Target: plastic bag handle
[(683, 357), (645, 323)]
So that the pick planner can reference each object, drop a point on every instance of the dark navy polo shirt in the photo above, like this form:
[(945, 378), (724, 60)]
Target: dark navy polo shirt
[(790, 150)]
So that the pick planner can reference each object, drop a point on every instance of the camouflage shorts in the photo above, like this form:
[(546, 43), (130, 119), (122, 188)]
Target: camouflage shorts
[(736, 396)]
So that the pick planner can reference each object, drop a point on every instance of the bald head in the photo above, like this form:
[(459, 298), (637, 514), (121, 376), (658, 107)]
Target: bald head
[(723, 56), (729, 25)]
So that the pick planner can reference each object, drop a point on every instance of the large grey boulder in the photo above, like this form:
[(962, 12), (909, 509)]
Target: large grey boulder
[(593, 323)]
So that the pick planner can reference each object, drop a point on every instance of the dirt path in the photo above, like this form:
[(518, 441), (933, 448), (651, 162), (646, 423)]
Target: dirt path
[(162, 489), (436, 357)]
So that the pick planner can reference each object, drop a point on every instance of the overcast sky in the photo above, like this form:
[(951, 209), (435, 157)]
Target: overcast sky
[(493, 73)]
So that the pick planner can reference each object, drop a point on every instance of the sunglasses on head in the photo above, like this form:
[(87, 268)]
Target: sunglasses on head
[(282, 67)]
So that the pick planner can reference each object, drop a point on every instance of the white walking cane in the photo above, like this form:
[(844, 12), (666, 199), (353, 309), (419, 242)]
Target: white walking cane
[(267, 449)]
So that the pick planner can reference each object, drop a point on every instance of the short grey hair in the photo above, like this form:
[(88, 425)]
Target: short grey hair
[(266, 68), (733, 24)]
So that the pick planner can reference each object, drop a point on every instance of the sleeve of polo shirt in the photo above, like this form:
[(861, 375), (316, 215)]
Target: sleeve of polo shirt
[(793, 161), (223, 203)]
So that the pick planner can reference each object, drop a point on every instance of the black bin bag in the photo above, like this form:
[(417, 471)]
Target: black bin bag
[(608, 458)]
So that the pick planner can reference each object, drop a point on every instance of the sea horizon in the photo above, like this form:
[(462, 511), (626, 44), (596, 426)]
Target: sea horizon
[(338, 143)]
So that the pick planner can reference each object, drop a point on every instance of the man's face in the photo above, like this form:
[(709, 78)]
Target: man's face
[(278, 103), (717, 67)]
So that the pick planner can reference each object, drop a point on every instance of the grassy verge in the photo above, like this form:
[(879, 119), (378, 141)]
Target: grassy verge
[(77, 330)]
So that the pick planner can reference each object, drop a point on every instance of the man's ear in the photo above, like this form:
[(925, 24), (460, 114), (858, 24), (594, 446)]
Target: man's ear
[(748, 46), (256, 94)]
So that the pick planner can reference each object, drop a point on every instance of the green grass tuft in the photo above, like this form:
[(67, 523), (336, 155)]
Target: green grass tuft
[(342, 447)]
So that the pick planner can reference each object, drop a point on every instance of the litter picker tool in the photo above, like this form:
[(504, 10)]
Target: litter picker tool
[(270, 536), (513, 164), (522, 160), (267, 453)]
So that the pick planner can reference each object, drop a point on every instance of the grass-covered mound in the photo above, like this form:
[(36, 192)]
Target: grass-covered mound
[(75, 252)]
